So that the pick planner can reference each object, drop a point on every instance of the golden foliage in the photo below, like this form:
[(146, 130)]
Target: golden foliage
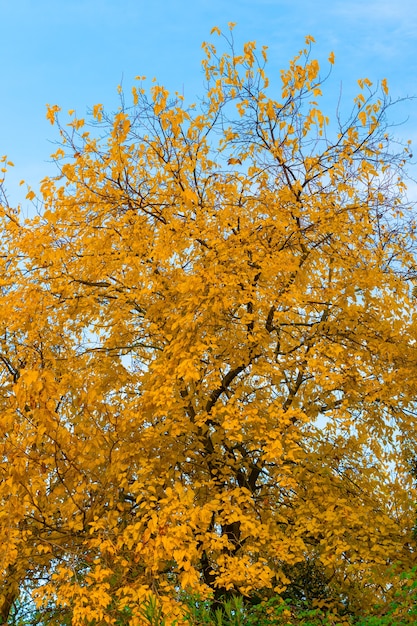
[(207, 349)]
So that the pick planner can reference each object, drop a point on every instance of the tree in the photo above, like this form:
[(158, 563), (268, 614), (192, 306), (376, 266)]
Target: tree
[(207, 343)]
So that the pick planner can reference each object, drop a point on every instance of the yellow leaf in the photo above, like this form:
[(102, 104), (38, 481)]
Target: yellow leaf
[(51, 112), (98, 112), (362, 117)]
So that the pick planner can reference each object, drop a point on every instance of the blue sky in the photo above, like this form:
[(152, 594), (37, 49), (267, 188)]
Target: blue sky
[(74, 53)]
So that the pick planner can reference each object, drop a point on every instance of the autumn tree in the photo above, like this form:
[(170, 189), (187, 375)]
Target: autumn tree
[(207, 352)]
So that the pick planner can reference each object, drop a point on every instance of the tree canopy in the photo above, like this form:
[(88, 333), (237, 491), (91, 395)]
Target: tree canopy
[(207, 352)]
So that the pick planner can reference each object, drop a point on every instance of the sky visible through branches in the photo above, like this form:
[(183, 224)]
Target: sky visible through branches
[(74, 54)]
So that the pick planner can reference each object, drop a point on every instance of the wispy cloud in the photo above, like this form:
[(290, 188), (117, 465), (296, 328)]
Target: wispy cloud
[(384, 21)]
